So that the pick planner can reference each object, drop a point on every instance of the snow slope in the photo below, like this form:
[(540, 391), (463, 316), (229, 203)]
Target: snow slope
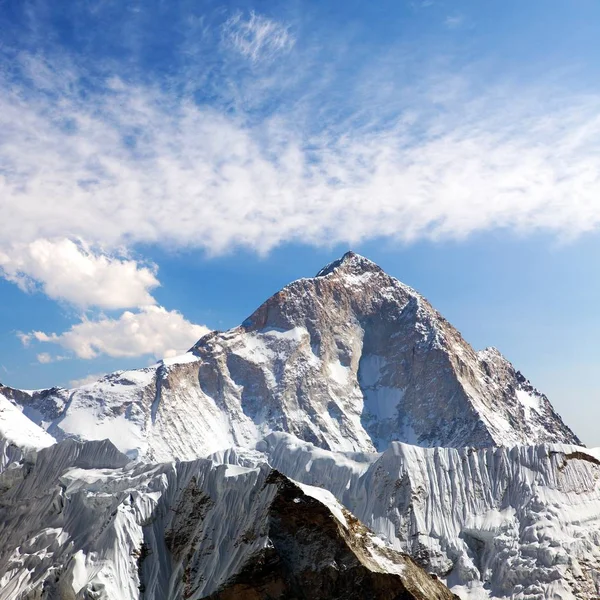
[(82, 521), (520, 523), (18, 434)]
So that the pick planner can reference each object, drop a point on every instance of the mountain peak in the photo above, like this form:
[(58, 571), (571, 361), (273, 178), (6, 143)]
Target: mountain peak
[(350, 262), (350, 360)]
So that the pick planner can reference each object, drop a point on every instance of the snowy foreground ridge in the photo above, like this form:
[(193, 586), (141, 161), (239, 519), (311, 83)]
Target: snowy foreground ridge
[(343, 428)]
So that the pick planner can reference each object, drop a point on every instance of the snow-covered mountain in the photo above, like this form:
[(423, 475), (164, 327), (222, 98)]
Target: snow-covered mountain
[(350, 360), (80, 521), (520, 523), (349, 382)]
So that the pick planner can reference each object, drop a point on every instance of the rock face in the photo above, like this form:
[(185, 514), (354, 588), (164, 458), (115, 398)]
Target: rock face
[(78, 520), (349, 360), (313, 555), (519, 523)]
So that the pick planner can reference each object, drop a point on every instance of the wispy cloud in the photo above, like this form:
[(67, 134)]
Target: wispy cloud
[(258, 157), (454, 21), (133, 164), (256, 37)]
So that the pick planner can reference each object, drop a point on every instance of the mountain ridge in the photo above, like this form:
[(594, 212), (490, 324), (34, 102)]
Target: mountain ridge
[(80, 520), (350, 381), (351, 359)]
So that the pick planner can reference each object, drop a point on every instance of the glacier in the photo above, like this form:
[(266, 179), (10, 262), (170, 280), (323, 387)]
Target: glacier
[(81, 520), (519, 522)]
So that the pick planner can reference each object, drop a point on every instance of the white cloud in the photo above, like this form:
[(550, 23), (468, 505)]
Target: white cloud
[(257, 37), (454, 21), (25, 338), (72, 272), (152, 330), (85, 380), (44, 358), (126, 164), (194, 177)]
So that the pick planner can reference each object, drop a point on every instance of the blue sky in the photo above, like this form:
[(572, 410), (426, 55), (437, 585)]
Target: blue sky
[(166, 166)]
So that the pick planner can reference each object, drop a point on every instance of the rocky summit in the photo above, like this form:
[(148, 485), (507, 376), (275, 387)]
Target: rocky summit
[(349, 360), (343, 442)]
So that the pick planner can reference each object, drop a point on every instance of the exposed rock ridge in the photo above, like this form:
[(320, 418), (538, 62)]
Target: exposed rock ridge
[(314, 555), (520, 523), (350, 262), (81, 521)]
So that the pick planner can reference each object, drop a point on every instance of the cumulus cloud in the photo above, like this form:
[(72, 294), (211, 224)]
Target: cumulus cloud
[(256, 37), (70, 271), (151, 330)]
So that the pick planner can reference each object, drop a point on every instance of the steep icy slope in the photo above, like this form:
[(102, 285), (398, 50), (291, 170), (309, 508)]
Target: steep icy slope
[(520, 523), (18, 434), (349, 360), (78, 520)]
